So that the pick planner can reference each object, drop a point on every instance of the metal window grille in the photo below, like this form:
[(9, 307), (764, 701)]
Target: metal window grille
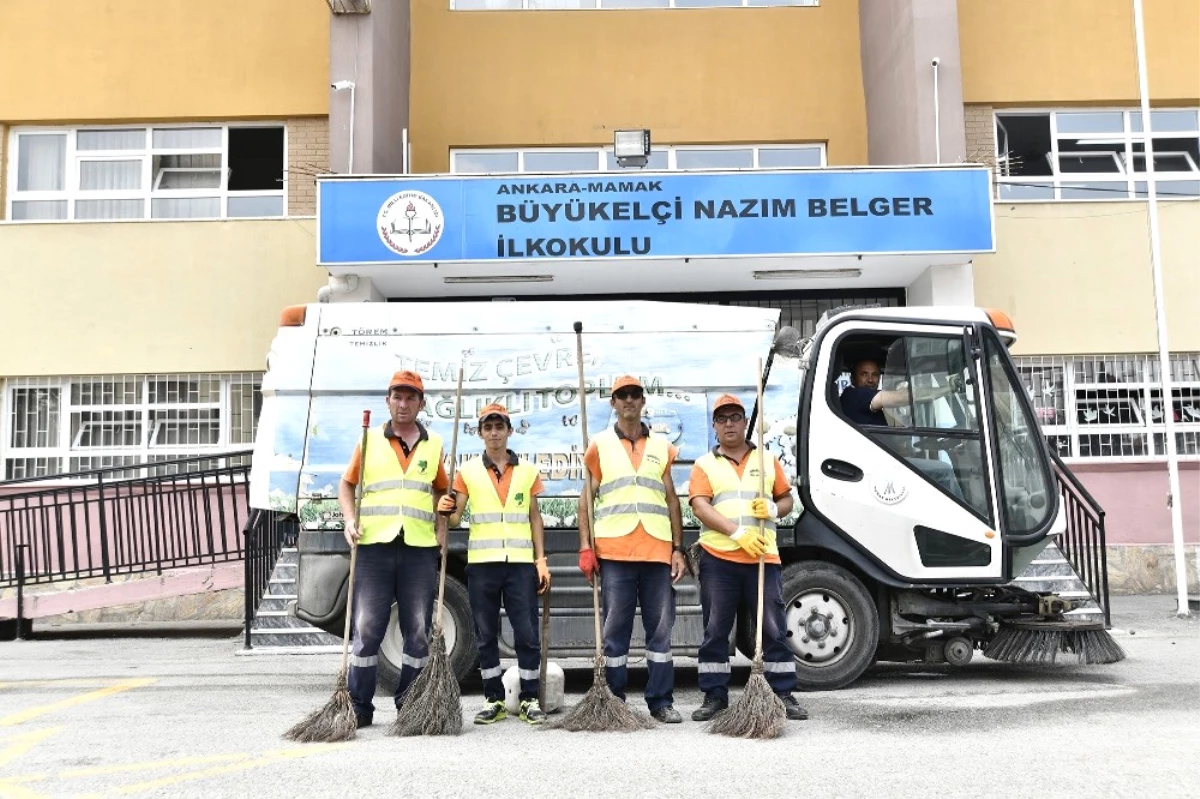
[(67, 424), (1110, 407)]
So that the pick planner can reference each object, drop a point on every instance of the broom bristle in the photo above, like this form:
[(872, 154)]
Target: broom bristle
[(333, 722), (1043, 646), (432, 704), (601, 710), (757, 713)]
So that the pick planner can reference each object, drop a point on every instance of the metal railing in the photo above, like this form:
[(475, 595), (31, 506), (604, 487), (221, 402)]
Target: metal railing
[(1083, 543), (266, 536), (124, 519)]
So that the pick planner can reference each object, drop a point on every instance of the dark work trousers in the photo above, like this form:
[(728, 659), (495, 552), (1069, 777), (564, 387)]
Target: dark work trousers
[(514, 585), (724, 585), (387, 573), (624, 585)]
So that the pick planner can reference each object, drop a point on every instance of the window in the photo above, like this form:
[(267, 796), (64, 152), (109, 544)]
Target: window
[(59, 425), (1095, 155), (1110, 407), (561, 5), (662, 157), (170, 172), (930, 417)]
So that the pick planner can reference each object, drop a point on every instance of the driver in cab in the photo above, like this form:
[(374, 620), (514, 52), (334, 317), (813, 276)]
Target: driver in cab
[(863, 402)]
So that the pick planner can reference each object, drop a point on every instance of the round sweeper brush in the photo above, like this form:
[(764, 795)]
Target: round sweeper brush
[(1041, 641)]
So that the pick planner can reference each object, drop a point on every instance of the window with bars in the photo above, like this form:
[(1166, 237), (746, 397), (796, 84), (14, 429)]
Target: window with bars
[(161, 172), (549, 160), (1111, 406), (56, 425)]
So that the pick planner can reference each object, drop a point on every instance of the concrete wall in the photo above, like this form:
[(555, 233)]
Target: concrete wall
[(1066, 52), (124, 297), (899, 42), (1076, 279), (166, 60), (692, 76)]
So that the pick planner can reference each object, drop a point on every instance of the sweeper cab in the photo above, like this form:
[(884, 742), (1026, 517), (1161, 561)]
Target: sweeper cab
[(907, 532)]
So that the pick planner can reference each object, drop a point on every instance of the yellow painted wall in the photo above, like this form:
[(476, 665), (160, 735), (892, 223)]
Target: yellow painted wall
[(102, 60), (549, 78), (1076, 277), (117, 297), (1029, 52)]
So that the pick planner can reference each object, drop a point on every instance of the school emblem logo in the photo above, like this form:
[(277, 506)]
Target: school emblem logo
[(410, 223)]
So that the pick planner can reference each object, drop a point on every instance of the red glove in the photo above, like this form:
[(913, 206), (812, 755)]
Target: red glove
[(588, 563)]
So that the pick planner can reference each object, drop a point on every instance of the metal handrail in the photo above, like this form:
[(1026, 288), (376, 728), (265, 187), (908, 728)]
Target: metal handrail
[(266, 536), (1084, 543), (126, 525)]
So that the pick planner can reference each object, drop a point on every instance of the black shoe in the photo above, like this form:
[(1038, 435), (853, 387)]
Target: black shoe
[(531, 712), (792, 708), (362, 720), (711, 707), (667, 715), (492, 712)]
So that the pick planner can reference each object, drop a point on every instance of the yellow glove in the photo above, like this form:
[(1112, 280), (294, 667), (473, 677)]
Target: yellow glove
[(762, 508), (543, 576), (750, 541)]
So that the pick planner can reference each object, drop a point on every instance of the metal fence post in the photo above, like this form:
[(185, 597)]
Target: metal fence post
[(104, 563), (21, 590), (249, 580)]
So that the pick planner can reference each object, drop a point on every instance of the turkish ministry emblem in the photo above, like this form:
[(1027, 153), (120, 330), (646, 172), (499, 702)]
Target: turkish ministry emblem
[(410, 223)]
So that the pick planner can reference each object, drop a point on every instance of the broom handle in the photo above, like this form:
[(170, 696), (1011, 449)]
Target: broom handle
[(587, 480), (762, 524), (358, 492), (437, 624), (545, 654)]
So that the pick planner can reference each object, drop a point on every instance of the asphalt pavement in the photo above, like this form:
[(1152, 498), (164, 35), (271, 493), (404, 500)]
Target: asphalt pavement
[(185, 716)]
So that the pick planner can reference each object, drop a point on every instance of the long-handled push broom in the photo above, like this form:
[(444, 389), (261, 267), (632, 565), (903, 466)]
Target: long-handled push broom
[(758, 712), (600, 710), (336, 721), (433, 704)]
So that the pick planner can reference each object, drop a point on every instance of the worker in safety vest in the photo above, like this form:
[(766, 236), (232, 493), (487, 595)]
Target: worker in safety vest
[(639, 552), (506, 560), (398, 536), (724, 494)]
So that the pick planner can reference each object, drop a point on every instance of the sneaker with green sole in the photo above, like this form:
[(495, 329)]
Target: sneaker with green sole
[(531, 712), (493, 712)]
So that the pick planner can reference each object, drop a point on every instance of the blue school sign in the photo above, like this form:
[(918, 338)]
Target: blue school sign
[(424, 219)]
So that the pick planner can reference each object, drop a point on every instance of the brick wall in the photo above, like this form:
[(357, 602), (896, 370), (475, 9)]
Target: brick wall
[(981, 133), (3, 172), (308, 156)]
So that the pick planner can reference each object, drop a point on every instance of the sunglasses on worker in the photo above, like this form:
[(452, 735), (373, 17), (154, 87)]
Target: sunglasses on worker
[(627, 394), (729, 418)]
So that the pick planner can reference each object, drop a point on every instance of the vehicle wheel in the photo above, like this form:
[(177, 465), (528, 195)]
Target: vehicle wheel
[(458, 627), (832, 624)]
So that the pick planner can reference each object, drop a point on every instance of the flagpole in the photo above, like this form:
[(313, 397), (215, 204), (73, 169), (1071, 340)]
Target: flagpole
[(1174, 499)]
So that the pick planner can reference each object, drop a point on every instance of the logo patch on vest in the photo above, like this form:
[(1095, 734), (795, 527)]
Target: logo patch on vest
[(520, 498), (653, 458), (422, 466)]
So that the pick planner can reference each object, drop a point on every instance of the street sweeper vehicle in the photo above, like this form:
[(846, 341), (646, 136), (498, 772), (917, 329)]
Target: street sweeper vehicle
[(907, 532)]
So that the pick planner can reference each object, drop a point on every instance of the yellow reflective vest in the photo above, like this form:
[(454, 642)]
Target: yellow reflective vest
[(500, 531), (732, 495), (627, 496), (394, 498)]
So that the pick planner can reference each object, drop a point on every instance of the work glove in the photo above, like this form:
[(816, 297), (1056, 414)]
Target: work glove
[(588, 563), (446, 505), (750, 541), (543, 575), (762, 508)]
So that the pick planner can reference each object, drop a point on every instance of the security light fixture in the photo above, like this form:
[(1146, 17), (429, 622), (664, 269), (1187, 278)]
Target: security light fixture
[(499, 279), (631, 147), (802, 274)]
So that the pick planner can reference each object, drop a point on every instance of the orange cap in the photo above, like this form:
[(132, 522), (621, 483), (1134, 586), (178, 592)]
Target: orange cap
[(726, 400), (627, 381), (493, 410), (407, 379)]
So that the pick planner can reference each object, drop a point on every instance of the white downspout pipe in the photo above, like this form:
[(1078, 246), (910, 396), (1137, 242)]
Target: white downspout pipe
[(937, 114)]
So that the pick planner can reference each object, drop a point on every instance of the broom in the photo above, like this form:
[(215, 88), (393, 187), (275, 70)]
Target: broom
[(600, 710), (1040, 642), (336, 721), (433, 704), (758, 712)]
